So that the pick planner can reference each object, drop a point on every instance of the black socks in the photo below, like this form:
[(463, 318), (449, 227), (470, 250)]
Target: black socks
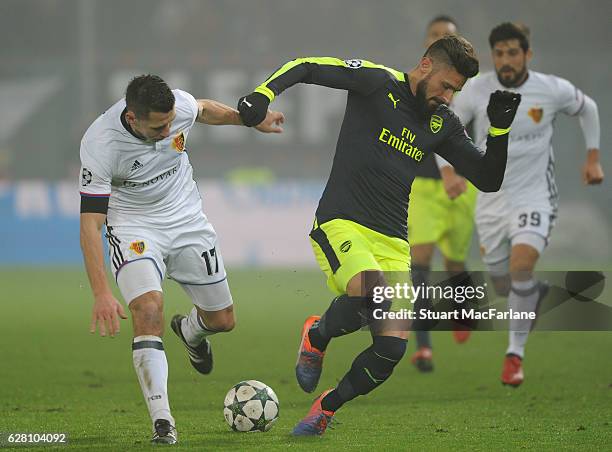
[(370, 369), (344, 316)]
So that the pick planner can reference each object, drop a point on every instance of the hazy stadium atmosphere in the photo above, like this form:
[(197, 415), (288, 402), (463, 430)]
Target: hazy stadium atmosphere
[(64, 62)]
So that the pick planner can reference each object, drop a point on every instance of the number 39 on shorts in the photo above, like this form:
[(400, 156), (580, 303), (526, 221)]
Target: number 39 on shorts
[(529, 218)]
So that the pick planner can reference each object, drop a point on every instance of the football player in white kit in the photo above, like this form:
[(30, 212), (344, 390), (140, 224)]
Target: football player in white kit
[(137, 178), (514, 224)]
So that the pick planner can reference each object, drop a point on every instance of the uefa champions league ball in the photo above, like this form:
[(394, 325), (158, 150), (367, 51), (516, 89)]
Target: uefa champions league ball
[(251, 406)]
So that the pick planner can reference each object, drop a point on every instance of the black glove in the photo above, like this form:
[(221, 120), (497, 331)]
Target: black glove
[(253, 109), (502, 108)]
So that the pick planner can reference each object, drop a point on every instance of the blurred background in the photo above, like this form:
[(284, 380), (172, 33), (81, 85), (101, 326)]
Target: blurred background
[(63, 62)]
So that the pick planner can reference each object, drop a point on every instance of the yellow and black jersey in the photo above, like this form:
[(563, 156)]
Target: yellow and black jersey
[(429, 170), (383, 141)]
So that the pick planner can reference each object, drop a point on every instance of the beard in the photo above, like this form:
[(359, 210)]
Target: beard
[(511, 78), (426, 106)]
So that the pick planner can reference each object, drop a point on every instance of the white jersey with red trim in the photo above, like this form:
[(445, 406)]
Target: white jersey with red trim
[(529, 177), (149, 183)]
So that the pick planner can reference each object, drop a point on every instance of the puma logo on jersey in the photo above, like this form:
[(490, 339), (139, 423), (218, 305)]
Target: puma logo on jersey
[(136, 165), (390, 96)]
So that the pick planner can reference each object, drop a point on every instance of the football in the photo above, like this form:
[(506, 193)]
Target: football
[(251, 406)]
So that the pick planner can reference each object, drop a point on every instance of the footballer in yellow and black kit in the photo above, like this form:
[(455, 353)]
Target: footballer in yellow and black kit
[(383, 141), (389, 129)]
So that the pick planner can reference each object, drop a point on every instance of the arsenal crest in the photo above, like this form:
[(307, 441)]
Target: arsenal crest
[(536, 114), (435, 123), (138, 247), (346, 246), (178, 142)]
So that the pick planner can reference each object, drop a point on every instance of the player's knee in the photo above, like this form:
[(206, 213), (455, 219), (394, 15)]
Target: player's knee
[(371, 280), (354, 286), (147, 313), (521, 265), (221, 321), (525, 255), (147, 304), (228, 324), (363, 284), (422, 254)]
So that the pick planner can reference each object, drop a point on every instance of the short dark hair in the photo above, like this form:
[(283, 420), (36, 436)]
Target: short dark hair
[(509, 30), (147, 93), (454, 51), (443, 18)]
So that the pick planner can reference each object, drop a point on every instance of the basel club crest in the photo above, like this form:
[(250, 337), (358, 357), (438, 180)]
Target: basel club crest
[(435, 123), (138, 247), (536, 114), (178, 142)]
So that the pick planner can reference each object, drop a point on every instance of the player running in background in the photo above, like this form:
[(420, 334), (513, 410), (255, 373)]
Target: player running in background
[(514, 224), (136, 178), (393, 120), (441, 214)]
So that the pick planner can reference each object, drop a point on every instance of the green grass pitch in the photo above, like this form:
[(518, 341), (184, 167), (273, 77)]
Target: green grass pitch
[(56, 377)]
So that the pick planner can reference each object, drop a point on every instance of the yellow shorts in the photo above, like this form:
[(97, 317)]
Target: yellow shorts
[(434, 218), (344, 249)]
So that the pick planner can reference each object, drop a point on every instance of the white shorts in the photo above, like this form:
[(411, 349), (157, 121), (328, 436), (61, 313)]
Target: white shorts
[(502, 223), (187, 253)]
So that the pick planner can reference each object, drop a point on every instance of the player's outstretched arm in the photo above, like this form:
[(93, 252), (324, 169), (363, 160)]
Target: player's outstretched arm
[(106, 309), (216, 113), (592, 172), (485, 171), (354, 75)]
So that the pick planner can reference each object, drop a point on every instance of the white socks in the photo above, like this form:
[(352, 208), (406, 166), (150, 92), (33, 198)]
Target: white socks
[(523, 297), (194, 329), (152, 370)]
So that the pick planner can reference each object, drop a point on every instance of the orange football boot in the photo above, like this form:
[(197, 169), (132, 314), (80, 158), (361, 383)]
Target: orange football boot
[(422, 359), (512, 373), (316, 421), (310, 360)]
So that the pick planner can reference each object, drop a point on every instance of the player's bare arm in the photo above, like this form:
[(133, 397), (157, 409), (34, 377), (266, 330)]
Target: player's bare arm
[(216, 113), (454, 184), (588, 117), (106, 310)]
